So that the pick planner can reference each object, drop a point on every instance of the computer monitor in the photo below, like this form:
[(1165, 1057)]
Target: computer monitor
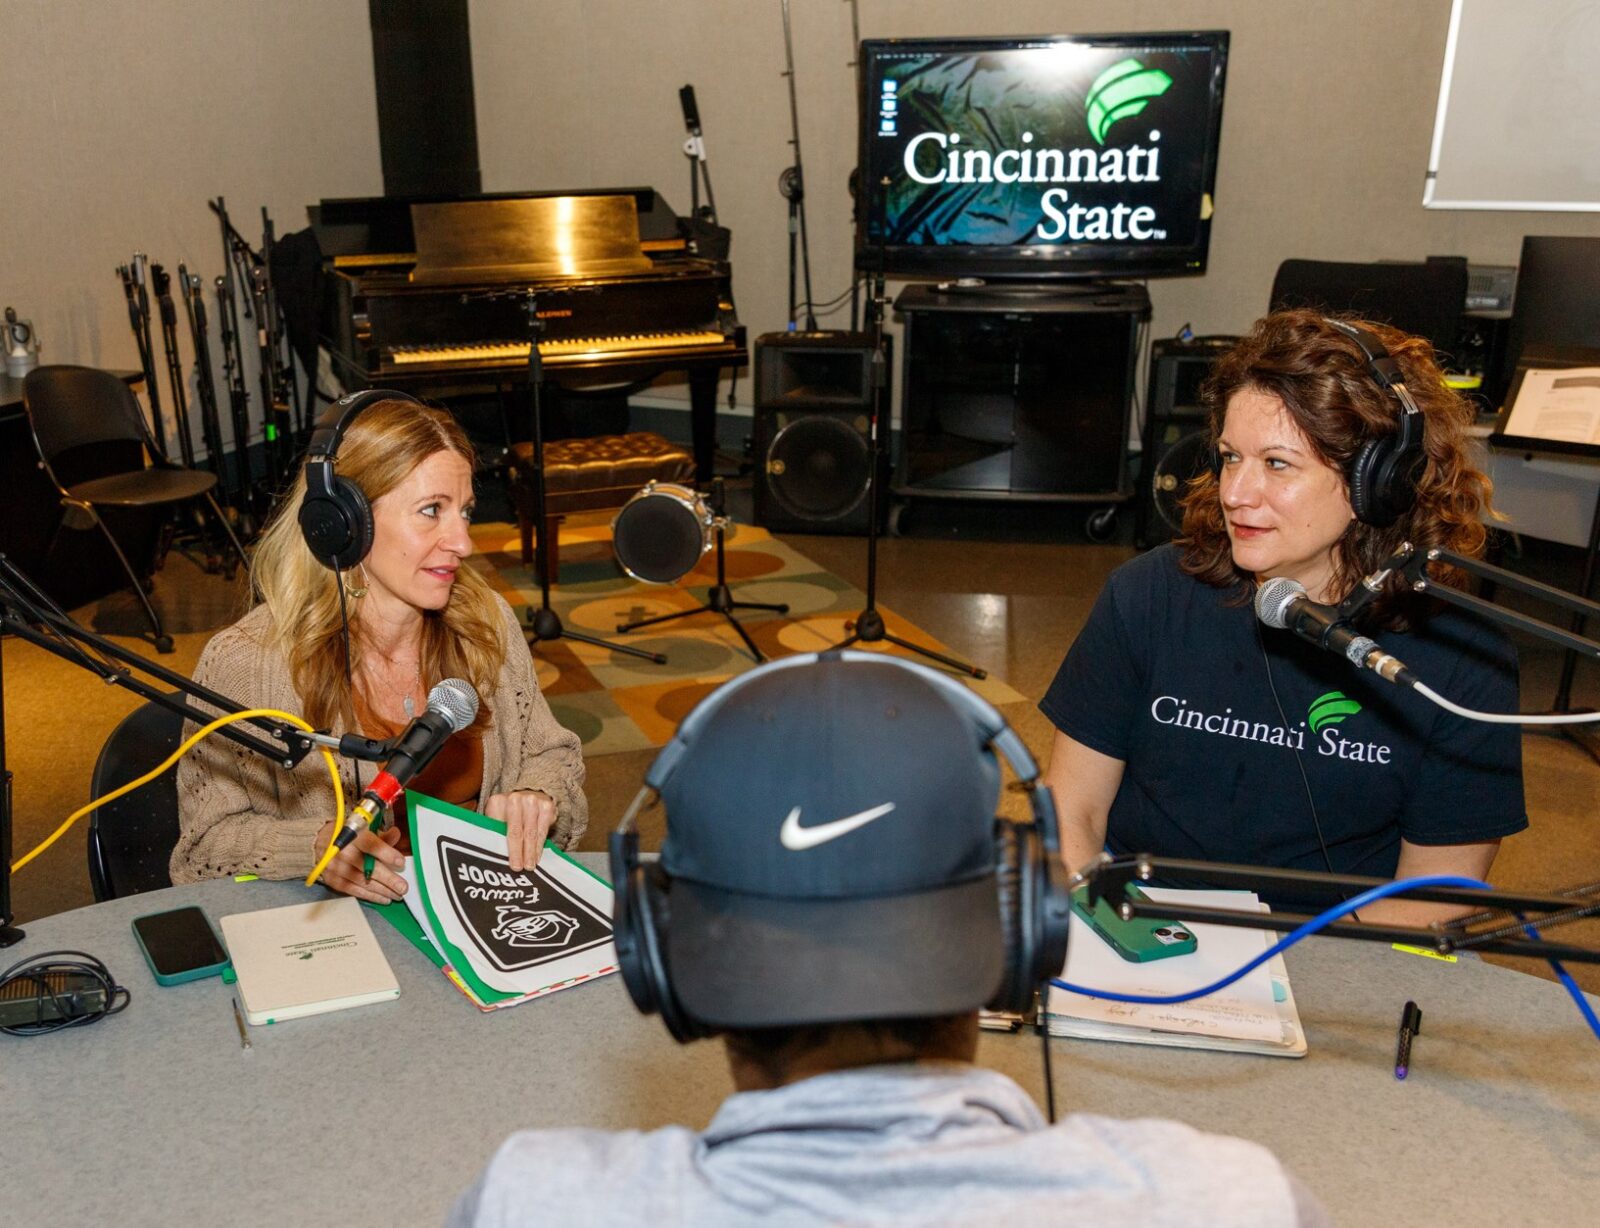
[(1557, 301)]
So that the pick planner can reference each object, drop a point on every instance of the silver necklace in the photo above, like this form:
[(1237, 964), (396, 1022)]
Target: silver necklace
[(408, 701)]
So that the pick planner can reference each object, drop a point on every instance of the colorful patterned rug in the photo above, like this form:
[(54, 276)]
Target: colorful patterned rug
[(616, 702)]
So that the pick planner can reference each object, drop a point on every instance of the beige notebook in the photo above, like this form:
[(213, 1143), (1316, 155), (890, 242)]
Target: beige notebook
[(306, 959)]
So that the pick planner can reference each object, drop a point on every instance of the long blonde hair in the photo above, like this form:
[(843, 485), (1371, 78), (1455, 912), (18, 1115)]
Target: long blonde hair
[(382, 446)]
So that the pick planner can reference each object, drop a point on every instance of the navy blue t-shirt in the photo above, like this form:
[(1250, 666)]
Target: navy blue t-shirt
[(1170, 678)]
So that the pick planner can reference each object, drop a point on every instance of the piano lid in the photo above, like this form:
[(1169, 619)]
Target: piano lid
[(508, 241)]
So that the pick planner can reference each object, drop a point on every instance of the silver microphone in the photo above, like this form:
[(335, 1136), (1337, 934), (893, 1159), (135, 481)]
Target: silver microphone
[(1282, 603)]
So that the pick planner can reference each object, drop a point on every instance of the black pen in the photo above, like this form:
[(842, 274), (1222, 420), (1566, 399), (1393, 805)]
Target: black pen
[(1410, 1025)]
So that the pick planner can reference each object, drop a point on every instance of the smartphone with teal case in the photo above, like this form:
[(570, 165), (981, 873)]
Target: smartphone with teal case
[(179, 945), (1140, 939)]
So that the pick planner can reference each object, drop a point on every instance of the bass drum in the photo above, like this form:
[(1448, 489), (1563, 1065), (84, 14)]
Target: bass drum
[(661, 534)]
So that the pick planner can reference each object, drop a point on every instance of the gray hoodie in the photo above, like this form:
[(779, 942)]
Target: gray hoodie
[(909, 1144)]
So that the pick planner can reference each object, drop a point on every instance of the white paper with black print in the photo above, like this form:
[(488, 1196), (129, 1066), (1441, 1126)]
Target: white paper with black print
[(522, 931)]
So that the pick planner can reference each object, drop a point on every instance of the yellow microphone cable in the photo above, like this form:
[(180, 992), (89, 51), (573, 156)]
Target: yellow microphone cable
[(297, 722)]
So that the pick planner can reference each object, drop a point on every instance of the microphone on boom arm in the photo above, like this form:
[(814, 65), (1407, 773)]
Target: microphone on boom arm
[(1282, 603), (452, 706)]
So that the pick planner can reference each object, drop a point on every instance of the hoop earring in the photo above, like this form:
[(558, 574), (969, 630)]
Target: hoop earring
[(356, 593)]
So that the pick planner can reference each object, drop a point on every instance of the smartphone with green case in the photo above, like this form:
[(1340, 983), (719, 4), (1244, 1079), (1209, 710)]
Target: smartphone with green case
[(179, 945), (1140, 939)]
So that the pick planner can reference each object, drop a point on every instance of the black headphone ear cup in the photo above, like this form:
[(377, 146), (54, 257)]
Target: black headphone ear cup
[(653, 912), (337, 525), (1013, 848), (1361, 473), (626, 874), (1383, 481), (359, 511)]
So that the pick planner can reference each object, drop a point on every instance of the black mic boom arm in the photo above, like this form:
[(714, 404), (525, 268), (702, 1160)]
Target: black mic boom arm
[(1495, 928), (1413, 564)]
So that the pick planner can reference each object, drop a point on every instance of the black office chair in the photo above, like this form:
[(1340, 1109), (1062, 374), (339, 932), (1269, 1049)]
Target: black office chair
[(1425, 300), (131, 839), (93, 445)]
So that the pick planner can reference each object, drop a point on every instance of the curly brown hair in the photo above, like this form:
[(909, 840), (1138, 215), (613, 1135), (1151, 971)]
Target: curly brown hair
[(1321, 376)]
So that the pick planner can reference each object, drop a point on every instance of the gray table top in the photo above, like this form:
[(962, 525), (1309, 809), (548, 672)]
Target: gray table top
[(383, 1114)]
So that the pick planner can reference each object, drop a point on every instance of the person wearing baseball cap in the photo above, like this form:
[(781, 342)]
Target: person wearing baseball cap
[(836, 899)]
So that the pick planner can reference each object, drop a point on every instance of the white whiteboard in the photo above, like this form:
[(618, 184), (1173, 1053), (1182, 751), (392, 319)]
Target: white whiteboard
[(1518, 124)]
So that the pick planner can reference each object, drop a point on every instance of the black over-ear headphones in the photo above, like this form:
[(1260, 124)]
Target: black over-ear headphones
[(1035, 901), (1383, 474), (1384, 471), (335, 515)]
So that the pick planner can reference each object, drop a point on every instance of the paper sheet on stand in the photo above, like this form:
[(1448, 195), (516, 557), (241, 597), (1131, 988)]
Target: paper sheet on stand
[(1246, 1010)]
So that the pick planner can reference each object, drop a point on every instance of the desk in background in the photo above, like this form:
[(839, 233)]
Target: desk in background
[(156, 1116)]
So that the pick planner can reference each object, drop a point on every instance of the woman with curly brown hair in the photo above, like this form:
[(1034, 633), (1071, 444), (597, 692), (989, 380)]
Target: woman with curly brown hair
[(417, 614), (1186, 728)]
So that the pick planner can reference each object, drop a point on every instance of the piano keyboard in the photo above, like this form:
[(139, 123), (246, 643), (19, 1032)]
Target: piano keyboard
[(572, 348)]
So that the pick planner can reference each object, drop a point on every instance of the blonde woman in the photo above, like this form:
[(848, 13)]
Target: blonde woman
[(416, 614)]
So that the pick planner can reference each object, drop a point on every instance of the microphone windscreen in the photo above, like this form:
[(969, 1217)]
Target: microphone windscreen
[(1273, 598), (456, 700)]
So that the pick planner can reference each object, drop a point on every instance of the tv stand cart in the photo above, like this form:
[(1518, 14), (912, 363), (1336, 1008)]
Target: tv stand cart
[(1019, 392)]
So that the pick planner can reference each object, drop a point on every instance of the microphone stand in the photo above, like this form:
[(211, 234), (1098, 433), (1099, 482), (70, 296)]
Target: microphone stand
[(133, 287), (544, 623), (205, 380), (228, 334), (791, 185), (869, 626), (28, 613), (162, 281), (1496, 928), (695, 150)]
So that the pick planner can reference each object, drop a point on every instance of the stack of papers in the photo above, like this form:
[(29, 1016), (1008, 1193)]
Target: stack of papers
[(1256, 1014), (503, 937), (306, 959)]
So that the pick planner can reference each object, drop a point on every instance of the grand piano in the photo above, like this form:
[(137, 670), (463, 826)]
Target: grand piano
[(434, 295)]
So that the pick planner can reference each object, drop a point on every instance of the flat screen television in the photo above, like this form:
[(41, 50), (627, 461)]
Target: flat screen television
[(1070, 156)]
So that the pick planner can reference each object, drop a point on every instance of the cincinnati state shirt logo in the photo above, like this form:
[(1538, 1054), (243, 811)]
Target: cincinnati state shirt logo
[(1326, 713)]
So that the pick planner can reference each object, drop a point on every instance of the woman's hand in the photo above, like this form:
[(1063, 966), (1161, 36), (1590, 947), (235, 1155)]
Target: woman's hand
[(528, 815), (344, 872)]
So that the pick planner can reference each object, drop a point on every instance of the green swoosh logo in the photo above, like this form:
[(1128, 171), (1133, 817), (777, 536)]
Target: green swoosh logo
[(1120, 92), (1329, 709)]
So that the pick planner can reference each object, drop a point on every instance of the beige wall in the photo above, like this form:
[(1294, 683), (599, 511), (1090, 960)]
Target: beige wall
[(122, 118), (125, 117)]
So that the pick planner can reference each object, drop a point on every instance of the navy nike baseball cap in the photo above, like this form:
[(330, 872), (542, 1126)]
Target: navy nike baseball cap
[(830, 845)]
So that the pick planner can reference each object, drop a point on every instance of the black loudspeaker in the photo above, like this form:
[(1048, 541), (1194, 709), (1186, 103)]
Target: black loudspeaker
[(1174, 432), (813, 419)]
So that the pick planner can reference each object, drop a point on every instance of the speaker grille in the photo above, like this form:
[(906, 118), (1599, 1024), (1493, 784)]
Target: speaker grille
[(817, 467)]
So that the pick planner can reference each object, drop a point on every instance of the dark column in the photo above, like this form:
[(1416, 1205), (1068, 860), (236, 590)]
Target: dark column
[(427, 123)]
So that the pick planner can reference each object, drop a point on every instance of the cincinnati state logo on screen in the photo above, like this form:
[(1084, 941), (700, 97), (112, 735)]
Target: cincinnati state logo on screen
[(1321, 731), (1120, 92)]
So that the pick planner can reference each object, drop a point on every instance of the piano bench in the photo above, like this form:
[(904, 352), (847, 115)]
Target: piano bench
[(586, 475)]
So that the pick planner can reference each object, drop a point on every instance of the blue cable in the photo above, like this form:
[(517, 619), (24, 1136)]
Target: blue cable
[(1321, 921)]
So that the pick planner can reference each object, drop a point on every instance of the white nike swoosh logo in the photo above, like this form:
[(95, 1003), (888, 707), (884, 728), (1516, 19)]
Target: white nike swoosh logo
[(793, 836)]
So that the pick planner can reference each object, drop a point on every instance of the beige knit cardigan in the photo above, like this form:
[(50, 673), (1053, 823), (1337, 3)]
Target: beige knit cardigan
[(240, 814)]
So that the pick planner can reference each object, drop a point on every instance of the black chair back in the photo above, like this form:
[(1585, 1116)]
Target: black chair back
[(86, 422), (1423, 299), (131, 839)]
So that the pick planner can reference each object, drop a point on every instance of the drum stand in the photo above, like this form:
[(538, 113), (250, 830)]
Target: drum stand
[(720, 599), (544, 623)]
